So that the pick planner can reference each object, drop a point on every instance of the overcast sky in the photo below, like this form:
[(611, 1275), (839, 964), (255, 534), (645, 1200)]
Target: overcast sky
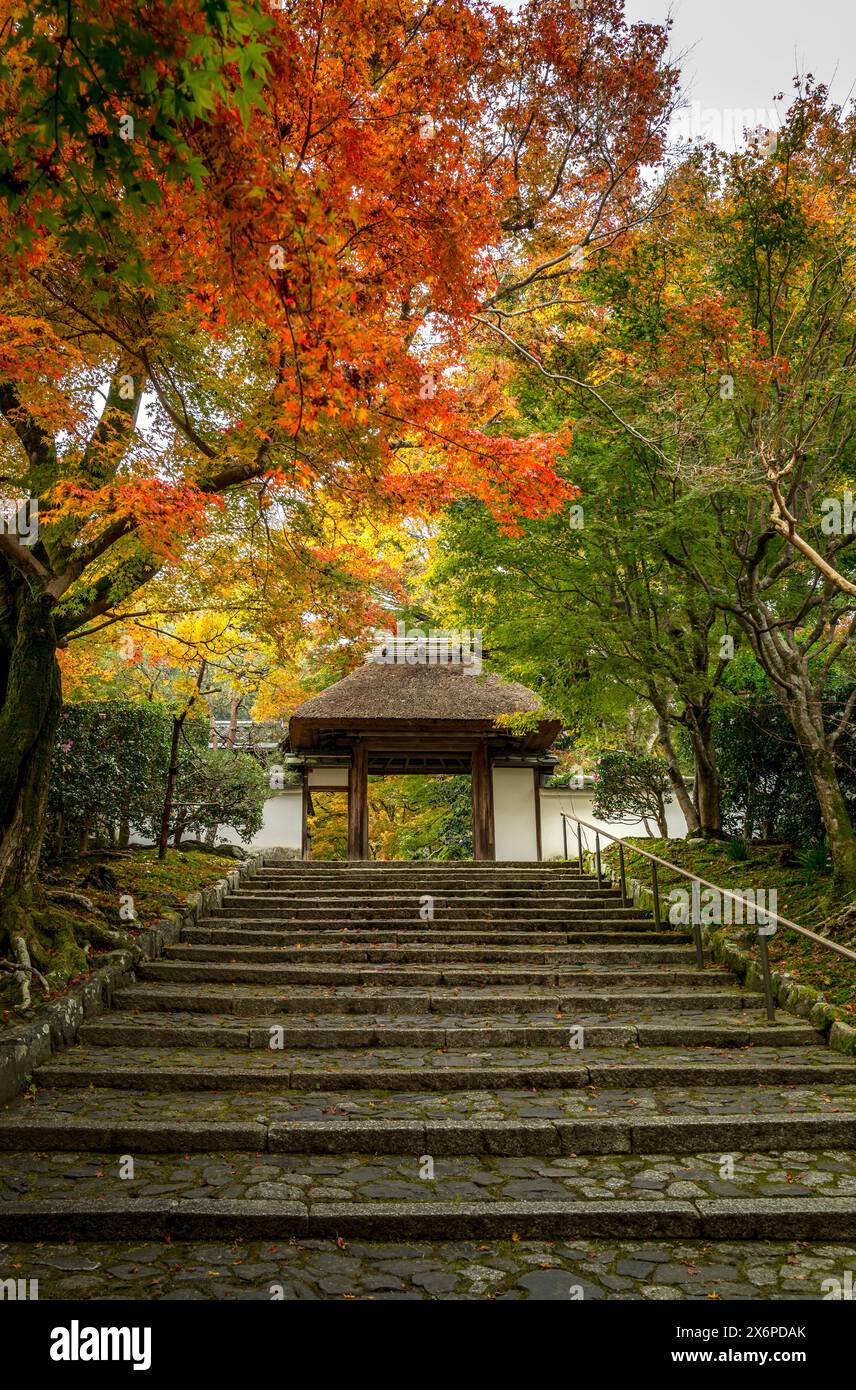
[(739, 53)]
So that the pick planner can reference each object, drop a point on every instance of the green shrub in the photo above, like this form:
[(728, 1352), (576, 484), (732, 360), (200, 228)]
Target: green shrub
[(632, 785), (109, 766), (815, 859), (218, 786), (737, 851)]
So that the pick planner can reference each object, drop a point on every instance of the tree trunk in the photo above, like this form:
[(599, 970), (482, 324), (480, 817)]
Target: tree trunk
[(163, 837), (234, 708), (124, 832), (177, 725), (707, 799), (30, 703), (820, 763), (682, 796), (787, 665), (768, 825)]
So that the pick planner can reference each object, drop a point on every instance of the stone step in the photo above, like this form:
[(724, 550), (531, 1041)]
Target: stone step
[(427, 976), (452, 1270), (696, 992), (509, 900), (377, 875), (733, 1134), (479, 904), (443, 891), (413, 1069), (469, 883), (489, 881), (425, 934), (443, 885), (490, 927), (291, 1176), (439, 885), (123, 1218), (413, 938), (249, 1010), (273, 864), (330, 1104), (441, 955), (341, 952), (333, 1031), (311, 917)]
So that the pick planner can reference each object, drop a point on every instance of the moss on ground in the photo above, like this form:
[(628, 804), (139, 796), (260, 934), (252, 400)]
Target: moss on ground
[(65, 940), (808, 897)]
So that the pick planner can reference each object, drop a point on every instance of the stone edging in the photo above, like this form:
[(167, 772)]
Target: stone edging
[(55, 1023), (802, 1000)]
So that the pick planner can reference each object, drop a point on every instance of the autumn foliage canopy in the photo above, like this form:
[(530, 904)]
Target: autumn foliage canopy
[(280, 222), (251, 250)]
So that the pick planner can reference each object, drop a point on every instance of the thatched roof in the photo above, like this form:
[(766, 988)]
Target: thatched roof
[(399, 698)]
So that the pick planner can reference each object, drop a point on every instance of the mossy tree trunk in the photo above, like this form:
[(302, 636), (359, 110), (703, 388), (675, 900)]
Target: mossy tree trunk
[(676, 778), (799, 670), (30, 702), (707, 793)]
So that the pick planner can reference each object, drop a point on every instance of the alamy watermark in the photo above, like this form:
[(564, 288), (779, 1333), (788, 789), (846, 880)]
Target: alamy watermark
[(728, 126), (20, 519), (711, 908), (439, 647), (843, 1288), (77, 1343), (838, 515), (19, 1290)]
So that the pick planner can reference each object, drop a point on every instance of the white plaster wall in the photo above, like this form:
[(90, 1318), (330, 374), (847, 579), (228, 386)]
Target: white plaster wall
[(281, 826), (514, 813), (328, 777), (514, 816), (579, 803)]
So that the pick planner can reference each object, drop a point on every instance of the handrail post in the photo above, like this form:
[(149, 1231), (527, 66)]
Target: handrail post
[(655, 888), (597, 857), (622, 878), (565, 835), (766, 976), (580, 847), (695, 919)]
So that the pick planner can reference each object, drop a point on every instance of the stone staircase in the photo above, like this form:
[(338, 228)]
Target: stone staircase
[(433, 1052)]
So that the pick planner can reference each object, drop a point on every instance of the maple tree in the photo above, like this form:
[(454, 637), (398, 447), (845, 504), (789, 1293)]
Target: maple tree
[(749, 349), (716, 343), (270, 275), (590, 614)]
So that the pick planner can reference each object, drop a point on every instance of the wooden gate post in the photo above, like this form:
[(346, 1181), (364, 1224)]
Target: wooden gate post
[(358, 803), (304, 814), (484, 844)]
